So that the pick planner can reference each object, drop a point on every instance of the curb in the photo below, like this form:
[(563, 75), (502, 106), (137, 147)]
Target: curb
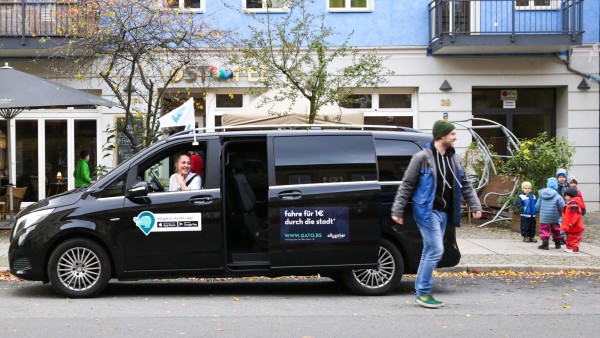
[(519, 268), (477, 268)]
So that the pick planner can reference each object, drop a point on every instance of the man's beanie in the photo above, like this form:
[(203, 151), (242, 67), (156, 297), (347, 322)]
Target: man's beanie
[(571, 192), (561, 172), (441, 129), (526, 184)]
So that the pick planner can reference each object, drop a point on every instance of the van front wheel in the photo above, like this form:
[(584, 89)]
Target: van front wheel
[(380, 280), (79, 268)]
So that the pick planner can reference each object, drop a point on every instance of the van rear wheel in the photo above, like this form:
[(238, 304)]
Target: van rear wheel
[(79, 268), (380, 280)]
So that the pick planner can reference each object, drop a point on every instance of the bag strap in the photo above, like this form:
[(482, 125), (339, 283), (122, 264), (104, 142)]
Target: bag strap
[(187, 184)]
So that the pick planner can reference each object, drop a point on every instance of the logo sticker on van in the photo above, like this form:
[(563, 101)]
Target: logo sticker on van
[(320, 224), (150, 222)]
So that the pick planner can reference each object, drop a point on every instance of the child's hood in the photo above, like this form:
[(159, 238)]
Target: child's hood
[(577, 201), (547, 193)]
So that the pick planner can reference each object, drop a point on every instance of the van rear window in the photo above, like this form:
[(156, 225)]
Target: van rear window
[(324, 159), (393, 157)]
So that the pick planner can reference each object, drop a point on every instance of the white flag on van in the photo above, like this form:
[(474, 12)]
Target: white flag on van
[(182, 116)]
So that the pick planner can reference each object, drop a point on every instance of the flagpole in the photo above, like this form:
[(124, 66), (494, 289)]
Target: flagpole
[(195, 143)]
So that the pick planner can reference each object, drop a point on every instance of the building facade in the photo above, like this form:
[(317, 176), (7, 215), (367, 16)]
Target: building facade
[(531, 65)]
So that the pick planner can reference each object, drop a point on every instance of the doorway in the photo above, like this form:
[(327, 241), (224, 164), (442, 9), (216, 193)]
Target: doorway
[(533, 112)]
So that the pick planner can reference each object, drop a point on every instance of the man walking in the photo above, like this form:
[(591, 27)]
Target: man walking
[(434, 182)]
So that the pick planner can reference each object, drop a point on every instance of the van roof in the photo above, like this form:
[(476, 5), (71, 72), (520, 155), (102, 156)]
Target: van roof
[(295, 129)]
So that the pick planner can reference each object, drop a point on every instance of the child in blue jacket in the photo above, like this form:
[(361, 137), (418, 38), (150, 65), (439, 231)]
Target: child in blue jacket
[(525, 203), (550, 205)]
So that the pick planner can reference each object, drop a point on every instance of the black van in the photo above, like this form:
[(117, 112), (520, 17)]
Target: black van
[(272, 203)]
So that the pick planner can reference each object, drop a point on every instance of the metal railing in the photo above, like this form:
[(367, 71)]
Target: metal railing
[(25, 18), (504, 17)]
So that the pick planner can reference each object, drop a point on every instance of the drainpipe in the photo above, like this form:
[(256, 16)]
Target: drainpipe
[(567, 62)]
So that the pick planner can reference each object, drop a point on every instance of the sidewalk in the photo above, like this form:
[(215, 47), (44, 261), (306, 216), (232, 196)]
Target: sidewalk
[(490, 248)]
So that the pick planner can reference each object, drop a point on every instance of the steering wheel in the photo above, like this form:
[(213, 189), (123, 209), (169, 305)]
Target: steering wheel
[(156, 181)]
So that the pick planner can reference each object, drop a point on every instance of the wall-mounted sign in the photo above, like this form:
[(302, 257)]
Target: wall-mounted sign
[(508, 94), (509, 104), (220, 73), (190, 74)]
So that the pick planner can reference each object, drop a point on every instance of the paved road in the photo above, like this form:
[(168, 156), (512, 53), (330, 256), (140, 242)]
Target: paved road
[(504, 306)]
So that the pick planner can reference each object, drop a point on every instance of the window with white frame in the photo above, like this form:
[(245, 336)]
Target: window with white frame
[(358, 101), (350, 5), (387, 107), (185, 5), (263, 6), (537, 4)]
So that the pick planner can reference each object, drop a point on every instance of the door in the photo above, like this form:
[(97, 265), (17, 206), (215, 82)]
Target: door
[(533, 112), (323, 200), (456, 17), (173, 230)]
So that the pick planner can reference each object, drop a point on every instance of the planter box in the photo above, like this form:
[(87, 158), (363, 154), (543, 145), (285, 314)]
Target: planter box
[(515, 224)]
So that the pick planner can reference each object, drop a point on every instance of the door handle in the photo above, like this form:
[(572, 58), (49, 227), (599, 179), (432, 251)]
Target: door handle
[(290, 195), (203, 200)]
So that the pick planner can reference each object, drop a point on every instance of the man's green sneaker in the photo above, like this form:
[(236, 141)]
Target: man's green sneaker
[(428, 302)]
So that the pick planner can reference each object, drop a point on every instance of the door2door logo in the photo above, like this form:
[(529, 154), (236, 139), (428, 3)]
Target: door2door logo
[(149, 222)]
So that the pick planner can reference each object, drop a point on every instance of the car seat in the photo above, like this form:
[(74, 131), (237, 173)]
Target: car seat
[(246, 200)]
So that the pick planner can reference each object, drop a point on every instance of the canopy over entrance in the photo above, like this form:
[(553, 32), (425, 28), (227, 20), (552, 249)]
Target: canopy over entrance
[(288, 111)]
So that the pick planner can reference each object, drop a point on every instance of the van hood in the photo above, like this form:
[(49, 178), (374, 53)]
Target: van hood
[(61, 200)]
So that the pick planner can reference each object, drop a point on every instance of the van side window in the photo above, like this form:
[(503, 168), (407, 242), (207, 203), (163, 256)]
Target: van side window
[(393, 157), (116, 188), (324, 159), (157, 171)]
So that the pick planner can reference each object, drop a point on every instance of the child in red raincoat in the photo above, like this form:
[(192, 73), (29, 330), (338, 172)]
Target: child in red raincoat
[(572, 222)]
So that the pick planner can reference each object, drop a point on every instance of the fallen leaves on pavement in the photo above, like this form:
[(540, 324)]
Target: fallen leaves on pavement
[(513, 273), (6, 276)]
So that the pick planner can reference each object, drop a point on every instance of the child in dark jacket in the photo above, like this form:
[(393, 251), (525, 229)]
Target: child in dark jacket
[(563, 184), (572, 222), (573, 184), (525, 203), (550, 205)]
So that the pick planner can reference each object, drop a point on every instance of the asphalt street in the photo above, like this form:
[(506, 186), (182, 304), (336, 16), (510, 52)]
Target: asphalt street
[(493, 306)]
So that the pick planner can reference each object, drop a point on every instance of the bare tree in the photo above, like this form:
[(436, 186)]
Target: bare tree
[(138, 48), (296, 58)]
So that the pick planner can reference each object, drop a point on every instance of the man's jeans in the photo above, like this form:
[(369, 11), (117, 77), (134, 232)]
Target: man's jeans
[(433, 249)]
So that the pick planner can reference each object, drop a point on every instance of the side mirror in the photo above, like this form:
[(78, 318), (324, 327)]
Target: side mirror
[(139, 189)]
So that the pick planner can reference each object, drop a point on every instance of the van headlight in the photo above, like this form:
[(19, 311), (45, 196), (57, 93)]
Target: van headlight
[(30, 219)]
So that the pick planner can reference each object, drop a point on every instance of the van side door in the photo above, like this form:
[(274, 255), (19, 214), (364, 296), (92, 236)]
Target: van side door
[(174, 231), (323, 200)]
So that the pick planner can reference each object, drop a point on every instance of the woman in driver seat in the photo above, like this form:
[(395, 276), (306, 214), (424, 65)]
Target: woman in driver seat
[(184, 178)]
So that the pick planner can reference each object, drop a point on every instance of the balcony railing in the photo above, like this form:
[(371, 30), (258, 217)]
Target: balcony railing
[(26, 19), (457, 25)]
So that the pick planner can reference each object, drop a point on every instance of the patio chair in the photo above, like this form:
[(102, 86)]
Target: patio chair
[(18, 195), (492, 199)]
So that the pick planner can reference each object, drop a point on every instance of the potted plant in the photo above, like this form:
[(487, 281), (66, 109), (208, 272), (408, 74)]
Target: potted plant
[(536, 160)]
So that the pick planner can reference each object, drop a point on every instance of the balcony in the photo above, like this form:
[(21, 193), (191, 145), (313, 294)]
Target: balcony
[(504, 26), (23, 22)]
